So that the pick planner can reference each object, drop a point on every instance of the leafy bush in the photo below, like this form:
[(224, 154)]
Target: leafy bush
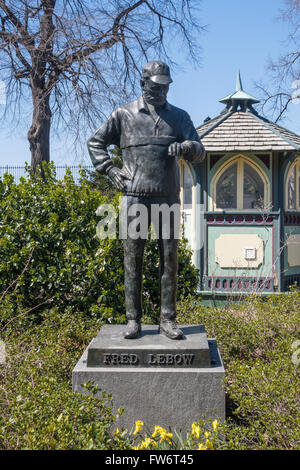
[(49, 255), (38, 408), (48, 242), (257, 341), (39, 411)]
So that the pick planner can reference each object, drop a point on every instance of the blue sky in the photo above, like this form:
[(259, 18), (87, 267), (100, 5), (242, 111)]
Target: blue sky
[(240, 35)]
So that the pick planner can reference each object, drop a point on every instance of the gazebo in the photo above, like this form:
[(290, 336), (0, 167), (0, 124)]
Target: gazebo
[(241, 206)]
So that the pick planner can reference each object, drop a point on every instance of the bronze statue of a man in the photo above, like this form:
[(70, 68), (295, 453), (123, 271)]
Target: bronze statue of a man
[(152, 135)]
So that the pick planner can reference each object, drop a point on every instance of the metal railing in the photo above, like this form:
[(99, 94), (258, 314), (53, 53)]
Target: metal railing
[(19, 171)]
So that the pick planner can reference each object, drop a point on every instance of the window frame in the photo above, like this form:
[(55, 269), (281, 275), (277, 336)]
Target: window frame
[(296, 165), (240, 160), (184, 165)]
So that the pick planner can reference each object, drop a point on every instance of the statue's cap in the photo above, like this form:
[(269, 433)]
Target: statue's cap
[(158, 72)]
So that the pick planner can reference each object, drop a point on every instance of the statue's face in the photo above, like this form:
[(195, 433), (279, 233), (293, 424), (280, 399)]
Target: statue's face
[(154, 93)]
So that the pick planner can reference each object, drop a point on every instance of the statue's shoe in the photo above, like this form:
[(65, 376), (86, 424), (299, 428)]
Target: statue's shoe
[(133, 329), (170, 329)]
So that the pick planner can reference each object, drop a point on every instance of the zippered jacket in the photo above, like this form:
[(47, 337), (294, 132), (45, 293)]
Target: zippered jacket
[(144, 137)]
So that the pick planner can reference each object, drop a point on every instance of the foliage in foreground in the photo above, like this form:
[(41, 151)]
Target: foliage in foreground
[(48, 242), (60, 284), (257, 342), (38, 408), (197, 439)]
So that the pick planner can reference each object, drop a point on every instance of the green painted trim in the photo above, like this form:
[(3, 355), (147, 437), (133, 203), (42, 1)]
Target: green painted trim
[(221, 300), (265, 269), (290, 270), (235, 293), (197, 216), (284, 166), (275, 181), (293, 160), (250, 155), (277, 268)]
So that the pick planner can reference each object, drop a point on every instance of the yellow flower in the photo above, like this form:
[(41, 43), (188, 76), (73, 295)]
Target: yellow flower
[(209, 445), (117, 432), (158, 430), (146, 443), (202, 447), (138, 427), (207, 434), (196, 430), (215, 424), (164, 436)]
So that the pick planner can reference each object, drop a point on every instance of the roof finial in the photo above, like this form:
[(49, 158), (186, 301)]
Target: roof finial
[(239, 100), (238, 86)]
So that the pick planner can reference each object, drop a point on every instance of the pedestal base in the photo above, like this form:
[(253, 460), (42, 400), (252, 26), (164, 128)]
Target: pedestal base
[(155, 379)]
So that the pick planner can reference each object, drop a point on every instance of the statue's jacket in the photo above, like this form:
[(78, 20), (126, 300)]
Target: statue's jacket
[(144, 137)]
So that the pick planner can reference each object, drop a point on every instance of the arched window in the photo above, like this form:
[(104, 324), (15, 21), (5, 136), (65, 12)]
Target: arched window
[(240, 184), (293, 187)]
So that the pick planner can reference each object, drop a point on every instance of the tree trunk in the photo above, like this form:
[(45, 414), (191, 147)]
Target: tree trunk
[(39, 132)]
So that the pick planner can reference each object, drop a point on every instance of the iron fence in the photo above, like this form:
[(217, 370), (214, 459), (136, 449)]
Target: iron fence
[(19, 171)]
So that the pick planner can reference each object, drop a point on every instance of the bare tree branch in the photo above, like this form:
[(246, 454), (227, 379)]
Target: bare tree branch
[(26, 38), (74, 60), (284, 73), (113, 36)]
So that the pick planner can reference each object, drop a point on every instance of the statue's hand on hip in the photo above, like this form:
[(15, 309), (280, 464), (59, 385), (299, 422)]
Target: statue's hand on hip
[(118, 177)]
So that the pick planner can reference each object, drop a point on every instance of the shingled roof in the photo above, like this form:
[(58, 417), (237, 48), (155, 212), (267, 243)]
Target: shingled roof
[(240, 128)]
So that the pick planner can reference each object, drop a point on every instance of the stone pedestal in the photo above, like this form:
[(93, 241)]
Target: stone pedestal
[(156, 379)]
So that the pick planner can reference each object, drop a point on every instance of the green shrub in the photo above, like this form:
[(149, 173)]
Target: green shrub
[(39, 411), (50, 256), (48, 230), (38, 408), (78, 281), (262, 381)]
